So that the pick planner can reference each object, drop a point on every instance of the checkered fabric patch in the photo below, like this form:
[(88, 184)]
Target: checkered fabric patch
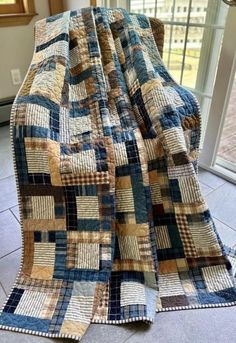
[(105, 143)]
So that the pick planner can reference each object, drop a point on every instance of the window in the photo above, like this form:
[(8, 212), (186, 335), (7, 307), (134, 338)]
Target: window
[(16, 12), (11, 6), (192, 43)]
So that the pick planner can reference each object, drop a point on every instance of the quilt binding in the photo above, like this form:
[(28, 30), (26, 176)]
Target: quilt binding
[(95, 321)]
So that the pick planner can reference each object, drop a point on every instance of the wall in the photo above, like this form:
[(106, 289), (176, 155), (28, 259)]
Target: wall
[(17, 44), (75, 4)]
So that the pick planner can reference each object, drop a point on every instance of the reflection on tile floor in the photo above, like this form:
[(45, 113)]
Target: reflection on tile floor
[(178, 326)]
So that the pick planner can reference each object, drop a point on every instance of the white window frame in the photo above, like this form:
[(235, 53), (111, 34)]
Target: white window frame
[(221, 95), (208, 57)]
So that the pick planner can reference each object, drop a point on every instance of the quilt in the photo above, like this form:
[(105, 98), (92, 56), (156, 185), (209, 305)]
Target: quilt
[(106, 144)]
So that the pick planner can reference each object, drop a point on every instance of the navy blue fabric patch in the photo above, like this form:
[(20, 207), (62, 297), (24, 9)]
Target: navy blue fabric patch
[(62, 36)]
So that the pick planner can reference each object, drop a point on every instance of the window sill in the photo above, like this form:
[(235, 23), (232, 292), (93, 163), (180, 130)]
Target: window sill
[(16, 19)]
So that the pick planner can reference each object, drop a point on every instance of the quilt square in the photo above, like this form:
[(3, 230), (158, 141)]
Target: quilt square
[(87, 207), (31, 304), (170, 285), (33, 156), (163, 238), (37, 115), (132, 293), (43, 207), (87, 256), (124, 200), (80, 125), (129, 248), (79, 309), (44, 254), (216, 278), (83, 161), (121, 157)]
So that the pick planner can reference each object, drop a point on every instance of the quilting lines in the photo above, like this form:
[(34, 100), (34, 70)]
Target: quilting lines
[(175, 140), (129, 248), (57, 49), (174, 97), (124, 200), (163, 238), (52, 80), (44, 254), (170, 285), (177, 172), (204, 238), (120, 154), (79, 125), (37, 115), (31, 304), (79, 309), (87, 207), (33, 157), (87, 256), (186, 183), (216, 278), (43, 207), (132, 293)]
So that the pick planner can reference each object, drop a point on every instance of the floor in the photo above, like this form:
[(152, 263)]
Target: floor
[(195, 326)]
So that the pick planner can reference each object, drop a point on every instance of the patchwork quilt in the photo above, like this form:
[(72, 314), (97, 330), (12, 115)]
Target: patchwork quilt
[(106, 144)]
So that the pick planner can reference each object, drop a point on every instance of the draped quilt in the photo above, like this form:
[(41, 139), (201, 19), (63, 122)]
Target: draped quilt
[(106, 145)]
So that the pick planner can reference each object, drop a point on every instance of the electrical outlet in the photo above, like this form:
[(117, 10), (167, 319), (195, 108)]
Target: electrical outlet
[(16, 77)]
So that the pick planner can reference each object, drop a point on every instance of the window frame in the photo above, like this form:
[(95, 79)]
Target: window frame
[(16, 7), (19, 18)]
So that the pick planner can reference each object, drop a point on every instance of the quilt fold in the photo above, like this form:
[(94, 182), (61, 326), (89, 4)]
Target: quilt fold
[(106, 145)]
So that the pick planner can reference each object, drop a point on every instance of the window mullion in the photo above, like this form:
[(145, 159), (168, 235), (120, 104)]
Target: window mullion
[(206, 48), (171, 33), (185, 41)]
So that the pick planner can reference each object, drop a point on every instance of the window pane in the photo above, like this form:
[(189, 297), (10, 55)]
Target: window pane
[(173, 49), (164, 10), (199, 10), (193, 50), (6, 2), (181, 10)]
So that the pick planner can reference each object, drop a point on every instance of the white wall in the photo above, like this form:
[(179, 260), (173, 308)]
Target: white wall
[(75, 4), (16, 46)]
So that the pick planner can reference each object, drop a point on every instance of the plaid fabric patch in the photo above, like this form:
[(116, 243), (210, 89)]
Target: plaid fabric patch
[(105, 144)]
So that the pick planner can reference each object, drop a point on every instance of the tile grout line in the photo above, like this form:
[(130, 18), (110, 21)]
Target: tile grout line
[(3, 178), (9, 253), (7, 177), (1, 285), (10, 209), (204, 184), (127, 338), (214, 189), (231, 228)]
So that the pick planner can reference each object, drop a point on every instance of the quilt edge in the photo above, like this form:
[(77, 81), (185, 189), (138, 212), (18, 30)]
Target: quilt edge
[(197, 306)]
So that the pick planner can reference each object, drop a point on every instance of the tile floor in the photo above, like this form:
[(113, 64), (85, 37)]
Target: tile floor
[(195, 326)]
